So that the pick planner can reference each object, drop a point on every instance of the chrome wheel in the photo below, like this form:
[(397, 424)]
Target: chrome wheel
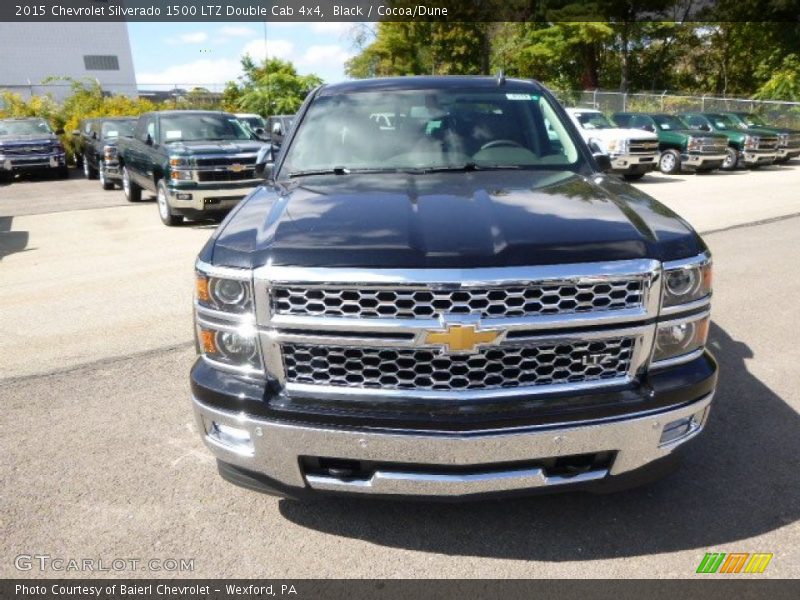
[(731, 159), (163, 207), (667, 163)]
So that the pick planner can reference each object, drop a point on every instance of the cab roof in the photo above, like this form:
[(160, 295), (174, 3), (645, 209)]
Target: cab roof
[(431, 82)]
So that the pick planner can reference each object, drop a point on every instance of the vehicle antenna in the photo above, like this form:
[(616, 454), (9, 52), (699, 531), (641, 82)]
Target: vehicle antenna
[(501, 77)]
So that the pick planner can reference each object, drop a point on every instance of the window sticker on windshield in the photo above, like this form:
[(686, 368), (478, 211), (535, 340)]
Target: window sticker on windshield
[(520, 97), (112, 134), (174, 134)]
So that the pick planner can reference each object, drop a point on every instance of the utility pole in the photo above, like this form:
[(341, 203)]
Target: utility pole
[(266, 69)]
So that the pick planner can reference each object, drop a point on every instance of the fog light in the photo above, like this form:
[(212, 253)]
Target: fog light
[(183, 196), (235, 438), (681, 428)]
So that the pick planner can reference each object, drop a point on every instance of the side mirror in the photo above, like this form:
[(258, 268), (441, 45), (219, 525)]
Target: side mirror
[(601, 158), (148, 140), (259, 131), (265, 162), (60, 131), (704, 127), (277, 129), (94, 135)]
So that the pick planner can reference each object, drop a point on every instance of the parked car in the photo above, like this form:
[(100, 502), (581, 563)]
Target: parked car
[(30, 145), (99, 143), (749, 147), (679, 146), (788, 139), (457, 306), (255, 122), (198, 163), (80, 135), (633, 152), (278, 127)]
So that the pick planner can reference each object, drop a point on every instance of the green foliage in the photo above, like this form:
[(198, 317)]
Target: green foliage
[(85, 101), (269, 88), (783, 83)]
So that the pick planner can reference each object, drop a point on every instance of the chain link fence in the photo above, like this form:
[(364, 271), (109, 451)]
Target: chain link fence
[(786, 114)]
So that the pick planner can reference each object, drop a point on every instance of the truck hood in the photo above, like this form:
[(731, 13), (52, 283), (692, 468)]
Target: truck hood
[(618, 133), (222, 147), (453, 220)]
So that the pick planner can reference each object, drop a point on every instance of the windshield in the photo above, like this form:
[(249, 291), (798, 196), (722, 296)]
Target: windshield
[(111, 129), (669, 123), (429, 129), (253, 122), (723, 122), (592, 120), (754, 120), (32, 127), (196, 128)]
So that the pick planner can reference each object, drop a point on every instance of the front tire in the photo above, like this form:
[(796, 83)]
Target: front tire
[(731, 159), (164, 210), (133, 193), (669, 163), (88, 170), (104, 181)]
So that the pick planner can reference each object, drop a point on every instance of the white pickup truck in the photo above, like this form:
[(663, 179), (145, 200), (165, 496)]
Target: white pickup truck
[(633, 152)]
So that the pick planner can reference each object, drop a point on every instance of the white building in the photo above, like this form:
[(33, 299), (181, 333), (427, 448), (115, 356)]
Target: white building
[(32, 52)]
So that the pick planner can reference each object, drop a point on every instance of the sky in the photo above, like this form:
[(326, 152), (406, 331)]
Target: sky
[(208, 54)]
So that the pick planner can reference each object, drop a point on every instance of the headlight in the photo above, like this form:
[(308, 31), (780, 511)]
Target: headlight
[(618, 146), (178, 162), (694, 144), (751, 142), (109, 153), (181, 175), (687, 283), (228, 294), (783, 139), (232, 347), (680, 337)]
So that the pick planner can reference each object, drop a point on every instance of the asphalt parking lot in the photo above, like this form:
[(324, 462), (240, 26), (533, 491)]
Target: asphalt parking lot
[(100, 457)]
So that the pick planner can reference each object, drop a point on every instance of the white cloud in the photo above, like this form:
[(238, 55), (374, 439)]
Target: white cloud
[(196, 37), (323, 56), (211, 73), (236, 31), (282, 49)]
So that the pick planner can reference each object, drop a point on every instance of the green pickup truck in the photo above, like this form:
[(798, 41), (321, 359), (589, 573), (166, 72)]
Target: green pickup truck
[(749, 147), (198, 163), (679, 147), (788, 139)]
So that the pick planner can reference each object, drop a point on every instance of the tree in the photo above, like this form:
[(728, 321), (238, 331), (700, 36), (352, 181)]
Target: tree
[(271, 87)]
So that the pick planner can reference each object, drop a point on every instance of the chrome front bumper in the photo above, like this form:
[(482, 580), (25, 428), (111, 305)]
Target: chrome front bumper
[(208, 199), (698, 160), (635, 163), (758, 158), (32, 161), (785, 152), (275, 449)]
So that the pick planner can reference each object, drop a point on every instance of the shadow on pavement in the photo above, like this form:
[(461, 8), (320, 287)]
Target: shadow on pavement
[(11, 242), (738, 480)]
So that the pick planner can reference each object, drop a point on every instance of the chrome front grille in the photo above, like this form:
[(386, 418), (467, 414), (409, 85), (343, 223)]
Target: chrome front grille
[(767, 143), (491, 368), (450, 334), (642, 146), (711, 145), (26, 150), (793, 140), (412, 302)]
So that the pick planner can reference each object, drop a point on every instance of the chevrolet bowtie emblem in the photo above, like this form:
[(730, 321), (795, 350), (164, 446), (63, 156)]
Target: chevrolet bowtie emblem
[(461, 338), (236, 168)]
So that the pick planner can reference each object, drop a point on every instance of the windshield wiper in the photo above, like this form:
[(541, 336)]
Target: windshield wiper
[(333, 171), (470, 166)]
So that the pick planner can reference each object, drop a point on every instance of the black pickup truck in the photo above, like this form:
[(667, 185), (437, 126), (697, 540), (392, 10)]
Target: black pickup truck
[(30, 145), (198, 163), (458, 304), (98, 143)]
